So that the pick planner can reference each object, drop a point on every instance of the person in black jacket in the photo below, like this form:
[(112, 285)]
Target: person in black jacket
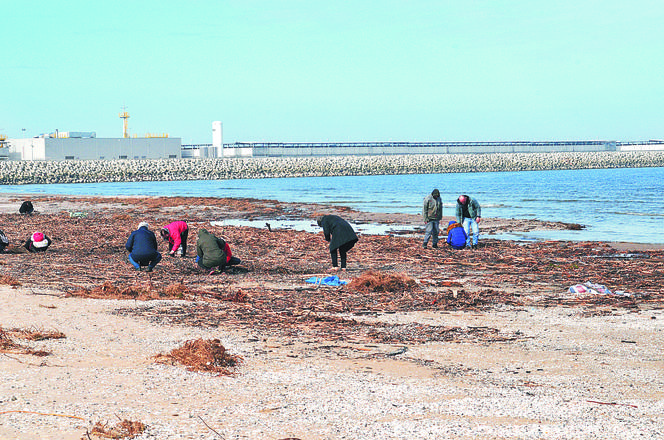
[(37, 242), (26, 208), (4, 241), (341, 236), (142, 247)]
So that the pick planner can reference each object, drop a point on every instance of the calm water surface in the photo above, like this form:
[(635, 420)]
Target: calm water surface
[(624, 204)]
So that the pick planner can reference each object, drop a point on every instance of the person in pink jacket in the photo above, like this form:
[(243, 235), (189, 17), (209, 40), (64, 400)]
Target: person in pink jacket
[(176, 234)]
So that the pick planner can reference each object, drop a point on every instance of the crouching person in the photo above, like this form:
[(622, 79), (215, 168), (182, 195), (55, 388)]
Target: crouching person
[(142, 247), (176, 234), (37, 242), (4, 241), (456, 235), (213, 253)]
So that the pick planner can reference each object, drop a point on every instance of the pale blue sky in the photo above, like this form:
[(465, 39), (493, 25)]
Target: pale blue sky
[(351, 71)]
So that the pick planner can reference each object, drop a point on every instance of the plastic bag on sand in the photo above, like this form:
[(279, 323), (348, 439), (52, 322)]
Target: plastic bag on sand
[(589, 288), (327, 281)]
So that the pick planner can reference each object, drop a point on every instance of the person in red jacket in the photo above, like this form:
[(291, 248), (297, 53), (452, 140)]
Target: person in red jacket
[(176, 234)]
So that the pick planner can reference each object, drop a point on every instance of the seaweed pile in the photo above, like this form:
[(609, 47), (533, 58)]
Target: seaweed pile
[(88, 259)]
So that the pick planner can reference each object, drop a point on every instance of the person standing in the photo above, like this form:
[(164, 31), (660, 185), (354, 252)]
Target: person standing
[(469, 214), (341, 236), (176, 234), (432, 213), (142, 247), (213, 253)]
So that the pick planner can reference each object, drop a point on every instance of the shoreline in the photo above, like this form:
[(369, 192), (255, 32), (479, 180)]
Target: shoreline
[(136, 170), (236, 209), (480, 344)]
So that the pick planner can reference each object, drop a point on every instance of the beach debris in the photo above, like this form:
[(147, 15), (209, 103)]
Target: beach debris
[(202, 355), (589, 288), (88, 259), (42, 414), (9, 281), (210, 428), (612, 403), (332, 280), (9, 345), (124, 429), (374, 281), (77, 214), (397, 352), (36, 334), (108, 290)]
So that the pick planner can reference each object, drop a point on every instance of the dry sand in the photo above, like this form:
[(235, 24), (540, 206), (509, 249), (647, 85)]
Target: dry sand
[(565, 372)]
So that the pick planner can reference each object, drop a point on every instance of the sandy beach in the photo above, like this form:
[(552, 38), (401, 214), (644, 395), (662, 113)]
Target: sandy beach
[(483, 344)]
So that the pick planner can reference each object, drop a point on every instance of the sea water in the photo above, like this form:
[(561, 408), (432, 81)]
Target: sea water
[(625, 204)]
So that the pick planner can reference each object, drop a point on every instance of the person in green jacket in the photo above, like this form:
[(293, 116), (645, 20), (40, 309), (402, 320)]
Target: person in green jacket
[(432, 213), (469, 213), (213, 253)]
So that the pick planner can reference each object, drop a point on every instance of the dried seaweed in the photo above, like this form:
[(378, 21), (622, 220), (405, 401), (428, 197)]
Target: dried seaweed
[(372, 281), (9, 345), (87, 258), (9, 281), (125, 429), (202, 355)]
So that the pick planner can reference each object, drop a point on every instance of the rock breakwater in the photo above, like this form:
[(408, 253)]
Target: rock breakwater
[(92, 171)]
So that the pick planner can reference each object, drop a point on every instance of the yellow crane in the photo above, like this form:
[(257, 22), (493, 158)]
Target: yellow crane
[(125, 116)]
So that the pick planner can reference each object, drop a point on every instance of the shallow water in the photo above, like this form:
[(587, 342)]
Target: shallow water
[(625, 204)]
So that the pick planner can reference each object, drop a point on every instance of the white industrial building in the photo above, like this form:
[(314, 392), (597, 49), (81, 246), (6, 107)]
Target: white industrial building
[(85, 146), (202, 151)]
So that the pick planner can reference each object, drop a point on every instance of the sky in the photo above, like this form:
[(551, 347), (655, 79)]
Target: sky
[(335, 71)]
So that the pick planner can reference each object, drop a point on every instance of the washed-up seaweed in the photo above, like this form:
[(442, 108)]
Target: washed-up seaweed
[(8, 337), (124, 429), (202, 355), (88, 258)]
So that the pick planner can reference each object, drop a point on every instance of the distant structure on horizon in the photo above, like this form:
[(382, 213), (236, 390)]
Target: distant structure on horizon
[(86, 146), (307, 149), (202, 151), (74, 145)]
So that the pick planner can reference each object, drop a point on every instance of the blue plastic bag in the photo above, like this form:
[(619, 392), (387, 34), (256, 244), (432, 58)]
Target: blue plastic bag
[(332, 280)]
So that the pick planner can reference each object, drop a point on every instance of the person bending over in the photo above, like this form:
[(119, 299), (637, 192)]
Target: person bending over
[(37, 242), (142, 247), (213, 253), (456, 235), (176, 234), (341, 236), (469, 214)]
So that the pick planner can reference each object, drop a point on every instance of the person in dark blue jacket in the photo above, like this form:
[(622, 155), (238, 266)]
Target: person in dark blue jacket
[(142, 247), (456, 235)]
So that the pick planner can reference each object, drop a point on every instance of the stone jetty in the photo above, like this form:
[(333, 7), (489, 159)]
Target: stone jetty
[(91, 171)]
